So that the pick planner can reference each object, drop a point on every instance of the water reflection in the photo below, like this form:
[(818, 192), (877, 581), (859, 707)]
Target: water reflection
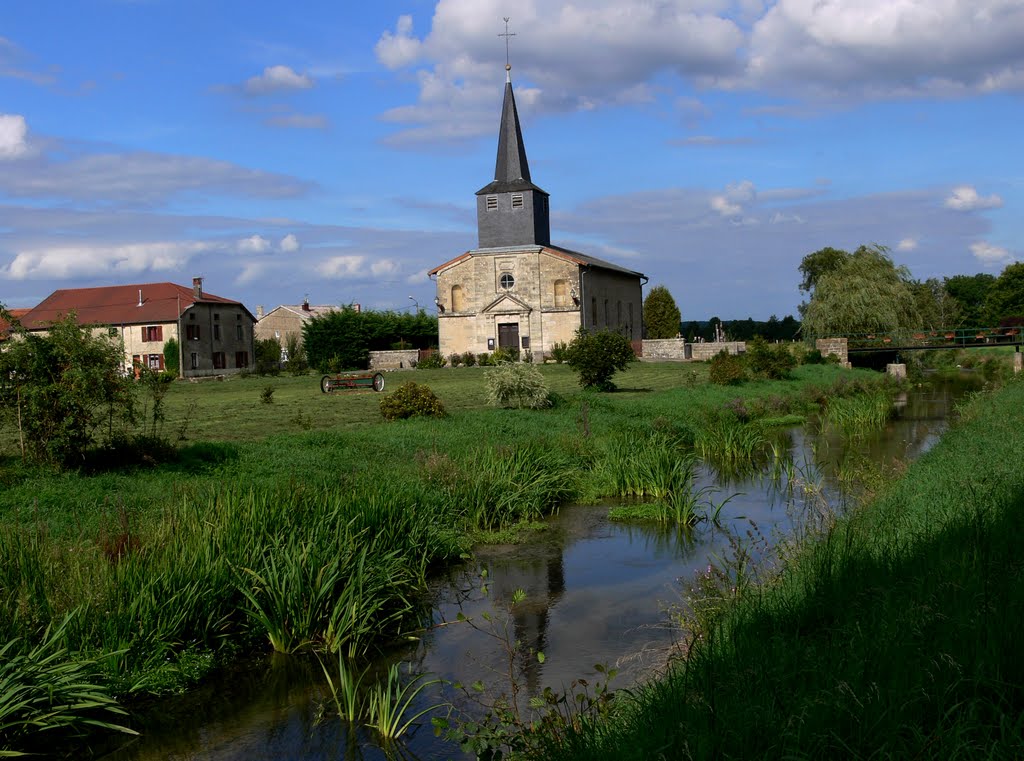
[(595, 593)]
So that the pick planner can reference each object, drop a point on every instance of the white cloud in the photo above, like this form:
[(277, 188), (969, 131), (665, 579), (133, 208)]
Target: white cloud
[(92, 261), (907, 244), (735, 198), (881, 48), (299, 121), (966, 198), (384, 267), (254, 244), (989, 253), (401, 48), (289, 243), (13, 137), (342, 266), (276, 79)]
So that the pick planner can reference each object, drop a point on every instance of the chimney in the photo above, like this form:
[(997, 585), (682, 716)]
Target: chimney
[(197, 287), (357, 307), (259, 312), (140, 297), (305, 304)]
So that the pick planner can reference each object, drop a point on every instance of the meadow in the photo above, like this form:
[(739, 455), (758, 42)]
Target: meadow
[(309, 524), (894, 633)]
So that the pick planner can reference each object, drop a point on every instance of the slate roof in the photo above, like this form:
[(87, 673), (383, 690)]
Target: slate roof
[(511, 169), (118, 305), (562, 253)]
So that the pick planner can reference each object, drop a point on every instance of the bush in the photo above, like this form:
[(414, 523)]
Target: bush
[(469, 359), (596, 357), (559, 351), (771, 361), (814, 357), (267, 394), (455, 359), (516, 385), (505, 355), (268, 356), (433, 361), (485, 360), (728, 369), (172, 357), (411, 400)]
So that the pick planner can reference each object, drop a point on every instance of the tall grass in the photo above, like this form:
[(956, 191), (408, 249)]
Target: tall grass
[(859, 415), (894, 634)]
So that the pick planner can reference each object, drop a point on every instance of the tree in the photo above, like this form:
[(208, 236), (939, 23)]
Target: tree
[(172, 357), (816, 265), (61, 389), (1006, 296), (866, 293), (661, 315), (596, 357), (971, 295), (268, 356)]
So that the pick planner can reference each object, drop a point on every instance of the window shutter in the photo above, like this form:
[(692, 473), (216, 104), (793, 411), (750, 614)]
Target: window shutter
[(160, 337)]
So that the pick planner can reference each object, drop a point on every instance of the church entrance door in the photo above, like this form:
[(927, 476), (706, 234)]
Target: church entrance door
[(508, 335)]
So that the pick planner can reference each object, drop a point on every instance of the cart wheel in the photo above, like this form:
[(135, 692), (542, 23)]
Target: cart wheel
[(325, 383), (378, 382)]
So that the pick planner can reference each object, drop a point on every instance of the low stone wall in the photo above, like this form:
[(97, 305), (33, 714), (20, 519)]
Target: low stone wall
[(706, 351), (837, 346), (403, 359), (677, 349)]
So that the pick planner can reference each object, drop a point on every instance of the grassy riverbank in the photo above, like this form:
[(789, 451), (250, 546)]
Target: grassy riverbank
[(895, 635), (319, 530)]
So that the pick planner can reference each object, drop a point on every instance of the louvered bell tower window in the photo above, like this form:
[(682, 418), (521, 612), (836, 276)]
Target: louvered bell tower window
[(492, 203)]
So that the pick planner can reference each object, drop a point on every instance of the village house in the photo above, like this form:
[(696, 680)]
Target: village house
[(285, 321), (517, 290), (214, 334), (6, 327)]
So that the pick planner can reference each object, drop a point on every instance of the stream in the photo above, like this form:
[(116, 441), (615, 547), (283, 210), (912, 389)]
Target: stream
[(597, 592)]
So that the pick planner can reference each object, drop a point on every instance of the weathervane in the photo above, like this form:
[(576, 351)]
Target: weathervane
[(506, 35)]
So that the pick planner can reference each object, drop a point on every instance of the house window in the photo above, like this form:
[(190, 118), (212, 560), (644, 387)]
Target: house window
[(593, 311), (239, 333), (606, 313), (241, 359), (561, 293), (216, 331), (507, 281), (153, 333), (517, 200), (192, 332), (458, 300), (216, 317), (195, 361), (219, 362), (492, 203), (155, 361)]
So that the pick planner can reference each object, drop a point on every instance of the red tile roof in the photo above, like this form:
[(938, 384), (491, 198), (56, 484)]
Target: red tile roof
[(117, 305), (5, 326)]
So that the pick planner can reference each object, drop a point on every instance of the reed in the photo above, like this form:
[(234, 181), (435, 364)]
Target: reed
[(859, 415), (391, 708)]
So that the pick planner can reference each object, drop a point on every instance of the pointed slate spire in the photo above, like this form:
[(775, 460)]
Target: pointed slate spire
[(511, 165)]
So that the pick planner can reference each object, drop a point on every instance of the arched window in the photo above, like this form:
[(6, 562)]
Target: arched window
[(561, 293), (458, 300)]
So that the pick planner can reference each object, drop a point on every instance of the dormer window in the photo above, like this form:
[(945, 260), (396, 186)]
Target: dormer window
[(492, 203), (517, 200)]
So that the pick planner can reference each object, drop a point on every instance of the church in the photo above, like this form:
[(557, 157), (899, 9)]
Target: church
[(516, 290)]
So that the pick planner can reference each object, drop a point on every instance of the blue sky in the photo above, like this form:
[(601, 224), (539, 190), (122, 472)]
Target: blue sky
[(333, 149)]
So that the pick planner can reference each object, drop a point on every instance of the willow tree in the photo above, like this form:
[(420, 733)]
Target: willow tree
[(865, 293)]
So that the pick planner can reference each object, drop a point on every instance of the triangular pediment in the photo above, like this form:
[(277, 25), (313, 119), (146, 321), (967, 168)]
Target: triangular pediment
[(506, 303)]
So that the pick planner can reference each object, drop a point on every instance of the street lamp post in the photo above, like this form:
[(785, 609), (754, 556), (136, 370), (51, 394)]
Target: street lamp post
[(415, 303)]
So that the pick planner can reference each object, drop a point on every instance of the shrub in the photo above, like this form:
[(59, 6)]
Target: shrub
[(455, 359), (728, 369), (771, 361), (596, 357), (559, 351), (469, 359), (516, 385), (172, 357), (485, 360), (505, 354), (433, 361), (267, 394), (814, 357), (268, 356), (411, 400)]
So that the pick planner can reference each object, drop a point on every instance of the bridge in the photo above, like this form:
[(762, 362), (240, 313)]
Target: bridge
[(920, 340)]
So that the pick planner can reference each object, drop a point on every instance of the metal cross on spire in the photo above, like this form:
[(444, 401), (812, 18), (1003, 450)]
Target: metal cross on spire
[(506, 35)]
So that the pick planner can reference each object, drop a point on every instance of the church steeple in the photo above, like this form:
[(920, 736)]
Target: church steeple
[(511, 210)]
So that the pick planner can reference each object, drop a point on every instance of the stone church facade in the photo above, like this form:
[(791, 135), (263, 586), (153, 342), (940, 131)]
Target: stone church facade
[(517, 289)]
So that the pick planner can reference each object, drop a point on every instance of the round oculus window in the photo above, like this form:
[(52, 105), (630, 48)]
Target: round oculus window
[(507, 281)]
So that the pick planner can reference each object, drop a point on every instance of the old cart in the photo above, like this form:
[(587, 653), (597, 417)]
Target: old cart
[(372, 381)]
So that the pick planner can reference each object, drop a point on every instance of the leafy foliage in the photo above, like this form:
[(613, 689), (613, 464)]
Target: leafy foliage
[(298, 364), (970, 292), (517, 385), (411, 400), (1006, 296), (268, 356), (661, 315), (558, 351), (60, 389), (433, 361), (727, 369), (596, 357), (865, 293), (769, 361), (344, 338), (172, 357)]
